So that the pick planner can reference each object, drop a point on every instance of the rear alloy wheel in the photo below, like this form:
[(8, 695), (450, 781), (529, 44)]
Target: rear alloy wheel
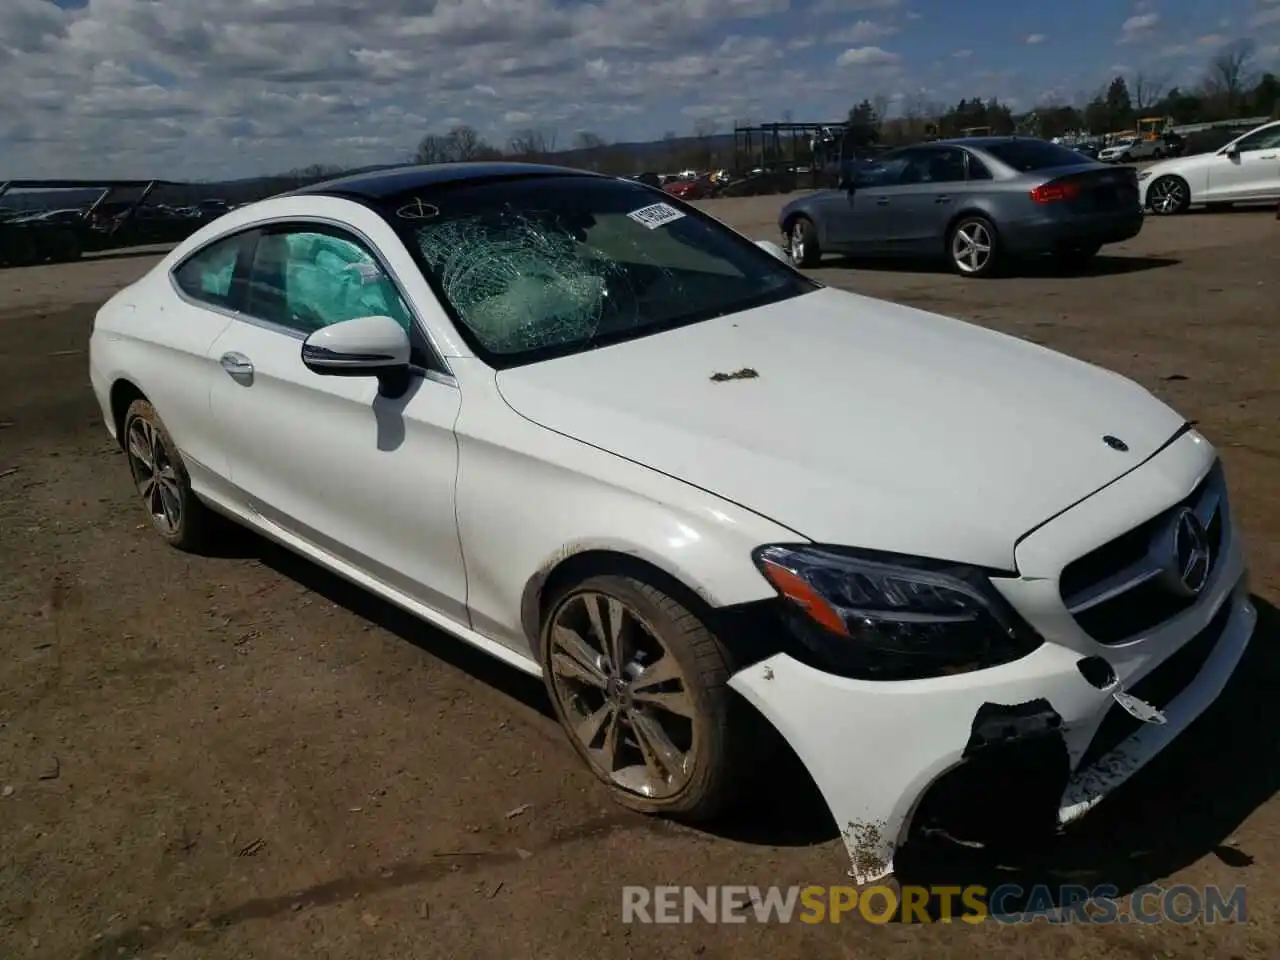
[(1168, 195), (972, 247), (802, 240), (640, 685), (161, 480)]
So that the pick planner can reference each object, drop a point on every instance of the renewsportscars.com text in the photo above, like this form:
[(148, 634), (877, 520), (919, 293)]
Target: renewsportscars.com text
[(1009, 904)]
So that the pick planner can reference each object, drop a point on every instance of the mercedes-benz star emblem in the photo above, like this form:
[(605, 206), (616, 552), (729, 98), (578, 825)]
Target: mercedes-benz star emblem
[(1188, 557), (1115, 443)]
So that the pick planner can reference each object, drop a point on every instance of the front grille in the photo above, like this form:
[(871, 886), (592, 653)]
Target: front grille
[(1116, 592), (1160, 687)]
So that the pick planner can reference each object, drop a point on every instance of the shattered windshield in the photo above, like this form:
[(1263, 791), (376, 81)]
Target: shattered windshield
[(541, 267)]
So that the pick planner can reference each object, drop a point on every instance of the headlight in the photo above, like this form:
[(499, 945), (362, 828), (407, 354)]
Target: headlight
[(891, 617)]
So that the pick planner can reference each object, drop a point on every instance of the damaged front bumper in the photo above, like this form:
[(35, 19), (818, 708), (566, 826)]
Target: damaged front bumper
[(874, 749)]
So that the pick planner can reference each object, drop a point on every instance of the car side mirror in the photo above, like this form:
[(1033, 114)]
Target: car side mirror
[(361, 347), (1231, 150), (768, 246)]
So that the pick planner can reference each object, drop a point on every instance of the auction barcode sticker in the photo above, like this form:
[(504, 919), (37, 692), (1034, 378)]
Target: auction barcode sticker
[(655, 215)]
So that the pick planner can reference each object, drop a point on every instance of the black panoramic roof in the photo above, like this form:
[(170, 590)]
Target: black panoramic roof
[(378, 184)]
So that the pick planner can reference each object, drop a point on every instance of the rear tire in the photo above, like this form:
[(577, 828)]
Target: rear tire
[(161, 479), (973, 247), (650, 710), (802, 239)]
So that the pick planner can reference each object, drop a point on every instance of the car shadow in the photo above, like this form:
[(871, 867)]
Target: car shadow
[(1251, 206), (1103, 265), (1183, 806), (240, 543), (784, 808)]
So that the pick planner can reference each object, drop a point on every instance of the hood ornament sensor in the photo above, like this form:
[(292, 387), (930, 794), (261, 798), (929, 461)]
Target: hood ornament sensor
[(1115, 443)]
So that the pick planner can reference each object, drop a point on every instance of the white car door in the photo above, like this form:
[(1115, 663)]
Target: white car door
[(366, 479), (178, 368), (1248, 169)]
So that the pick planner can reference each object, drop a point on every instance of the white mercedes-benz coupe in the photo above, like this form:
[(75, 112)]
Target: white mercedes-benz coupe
[(598, 434)]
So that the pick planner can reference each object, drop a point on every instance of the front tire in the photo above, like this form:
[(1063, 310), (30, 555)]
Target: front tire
[(161, 479), (1168, 195), (803, 243), (640, 685), (973, 247)]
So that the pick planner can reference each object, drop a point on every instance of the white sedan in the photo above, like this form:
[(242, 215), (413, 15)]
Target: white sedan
[(601, 436), (1246, 170)]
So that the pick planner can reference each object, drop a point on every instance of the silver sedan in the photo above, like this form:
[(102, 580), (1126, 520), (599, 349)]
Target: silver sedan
[(979, 203)]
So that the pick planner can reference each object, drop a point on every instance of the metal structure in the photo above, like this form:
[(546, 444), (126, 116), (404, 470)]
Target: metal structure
[(806, 150), (98, 227)]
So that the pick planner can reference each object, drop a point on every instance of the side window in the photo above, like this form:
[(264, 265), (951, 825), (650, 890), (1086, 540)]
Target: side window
[(1264, 139), (310, 278), (207, 276), (977, 169), (943, 165), (914, 165)]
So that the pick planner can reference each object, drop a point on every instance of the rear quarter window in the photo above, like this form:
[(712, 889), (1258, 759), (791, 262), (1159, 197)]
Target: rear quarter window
[(207, 275)]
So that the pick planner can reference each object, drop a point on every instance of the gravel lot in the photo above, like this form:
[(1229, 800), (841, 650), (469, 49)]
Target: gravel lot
[(239, 756)]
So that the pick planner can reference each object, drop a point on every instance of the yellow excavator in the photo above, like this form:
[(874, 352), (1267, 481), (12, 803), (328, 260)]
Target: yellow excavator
[(1153, 128)]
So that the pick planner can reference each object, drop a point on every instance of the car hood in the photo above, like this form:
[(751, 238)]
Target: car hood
[(855, 421), (1180, 165)]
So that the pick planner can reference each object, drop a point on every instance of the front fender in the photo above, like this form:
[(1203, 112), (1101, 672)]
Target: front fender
[(530, 498)]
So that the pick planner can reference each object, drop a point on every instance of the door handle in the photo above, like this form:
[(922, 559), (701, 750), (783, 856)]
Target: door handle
[(1268, 156), (942, 199), (237, 365), (882, 202)]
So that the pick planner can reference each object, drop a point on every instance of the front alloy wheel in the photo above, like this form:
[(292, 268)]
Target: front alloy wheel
[(639, 684), (1168, 195), (803, 243)]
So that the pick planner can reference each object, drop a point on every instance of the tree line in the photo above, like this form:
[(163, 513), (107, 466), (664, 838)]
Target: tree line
[(1231, 88)]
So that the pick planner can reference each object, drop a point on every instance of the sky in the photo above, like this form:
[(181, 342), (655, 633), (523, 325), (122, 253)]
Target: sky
[(193, 89)]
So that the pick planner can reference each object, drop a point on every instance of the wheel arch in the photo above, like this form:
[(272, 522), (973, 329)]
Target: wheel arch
[(803, 213), (585, 561), (123, 394), (970, 211)]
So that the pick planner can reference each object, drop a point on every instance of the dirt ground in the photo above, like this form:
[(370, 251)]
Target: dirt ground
[(239, 756)]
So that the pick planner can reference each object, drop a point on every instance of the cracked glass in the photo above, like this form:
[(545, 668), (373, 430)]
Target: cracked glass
[(544, 266)]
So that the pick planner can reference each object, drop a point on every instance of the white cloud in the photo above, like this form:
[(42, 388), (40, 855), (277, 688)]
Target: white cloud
[(1035, 38), (1138, 26), (830, 8), (864, 31), (136, 87), (1266, 16), (867, 57), (963, 54)]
